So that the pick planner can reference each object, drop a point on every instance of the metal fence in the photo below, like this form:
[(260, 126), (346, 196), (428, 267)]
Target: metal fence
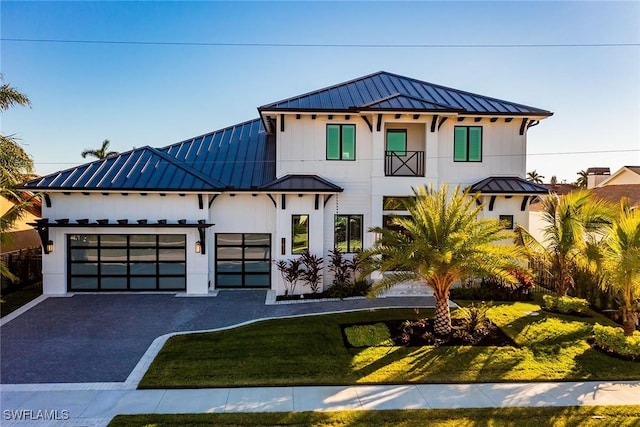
[(26, 264)]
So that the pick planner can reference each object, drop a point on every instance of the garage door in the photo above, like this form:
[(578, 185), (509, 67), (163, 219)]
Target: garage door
[(126, 262), (243, 260)]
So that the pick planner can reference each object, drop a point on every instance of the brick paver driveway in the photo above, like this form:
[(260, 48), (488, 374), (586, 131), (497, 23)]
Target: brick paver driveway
[(101, 338)]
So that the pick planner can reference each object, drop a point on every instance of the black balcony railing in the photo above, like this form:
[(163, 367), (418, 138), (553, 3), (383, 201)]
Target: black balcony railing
[(404, 163)]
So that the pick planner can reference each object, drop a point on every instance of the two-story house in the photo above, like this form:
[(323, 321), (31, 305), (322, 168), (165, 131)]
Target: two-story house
[(314, 171)]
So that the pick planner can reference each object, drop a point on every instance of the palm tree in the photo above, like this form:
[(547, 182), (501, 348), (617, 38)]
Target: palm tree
[(534, 176), (582, 179), (100, 153), (442, 242), (15, 163), (621, 265), (573, 224)]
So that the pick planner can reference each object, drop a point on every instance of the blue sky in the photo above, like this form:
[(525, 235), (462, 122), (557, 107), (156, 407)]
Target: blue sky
[(142, 94)]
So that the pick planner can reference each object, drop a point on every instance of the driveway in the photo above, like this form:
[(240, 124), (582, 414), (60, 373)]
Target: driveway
[(101, 338)]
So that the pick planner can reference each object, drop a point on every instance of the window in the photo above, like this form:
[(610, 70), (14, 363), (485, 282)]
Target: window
[(299, 233), (393, 203), (508, 221), (348, 233), (397, 141), (341, 142), (467, 144), (111, 262)]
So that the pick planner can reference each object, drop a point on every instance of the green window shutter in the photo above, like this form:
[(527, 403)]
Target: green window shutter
[(333, 142), (460, 144), (397, 142), (348, 142), (475, 144)]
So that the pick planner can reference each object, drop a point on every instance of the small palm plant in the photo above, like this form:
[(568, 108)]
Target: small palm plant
[(441, 242), (621, 265), (574, 224)]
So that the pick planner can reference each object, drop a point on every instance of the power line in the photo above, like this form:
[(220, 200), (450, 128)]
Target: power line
[(325, 45), (484, 156)]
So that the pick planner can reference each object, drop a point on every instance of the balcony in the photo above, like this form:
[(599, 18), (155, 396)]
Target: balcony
[(404, 163)]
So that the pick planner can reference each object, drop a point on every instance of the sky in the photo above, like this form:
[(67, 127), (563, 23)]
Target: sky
[(154, 73)]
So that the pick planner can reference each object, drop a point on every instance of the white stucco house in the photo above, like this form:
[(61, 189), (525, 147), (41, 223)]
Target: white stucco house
[(312, 171)]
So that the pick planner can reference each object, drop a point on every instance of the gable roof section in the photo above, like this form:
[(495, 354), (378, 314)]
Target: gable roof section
[(626, 174), (239, 157), (143, 168), (384, 91), (508, 185), (302, 183)]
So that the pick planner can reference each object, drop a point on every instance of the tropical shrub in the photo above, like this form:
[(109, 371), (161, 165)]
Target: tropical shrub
[(614, 340), (311, 273), (474, 317), (358, 288), (565, 304), (291, 271)]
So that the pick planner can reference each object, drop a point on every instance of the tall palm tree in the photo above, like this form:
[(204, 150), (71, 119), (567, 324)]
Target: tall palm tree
[(573, 223), (582, 179), (442, 242), (534, 176), (15, 163), (100, 153), (621, 265)]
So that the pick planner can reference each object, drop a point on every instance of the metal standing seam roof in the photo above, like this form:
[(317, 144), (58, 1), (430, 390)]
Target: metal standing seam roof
[(143, 168), (239, 157), (387, 91), (302, 183), (508, 185)]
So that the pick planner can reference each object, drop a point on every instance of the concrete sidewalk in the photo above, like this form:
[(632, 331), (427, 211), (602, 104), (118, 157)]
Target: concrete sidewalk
[(98, 407)]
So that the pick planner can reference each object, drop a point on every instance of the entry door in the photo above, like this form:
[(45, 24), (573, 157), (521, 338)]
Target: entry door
[(243, 260)]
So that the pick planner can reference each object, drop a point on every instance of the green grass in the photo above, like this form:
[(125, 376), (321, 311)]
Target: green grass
[(614, 416), (15, 300), (311, 351), (368, 335)]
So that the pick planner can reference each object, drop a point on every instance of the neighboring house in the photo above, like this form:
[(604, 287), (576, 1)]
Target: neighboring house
[(22, 235), (313, 171), (624, 183)]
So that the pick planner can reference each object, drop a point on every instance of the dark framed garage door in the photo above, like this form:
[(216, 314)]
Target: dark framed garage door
[(243, 260), (126, 262)]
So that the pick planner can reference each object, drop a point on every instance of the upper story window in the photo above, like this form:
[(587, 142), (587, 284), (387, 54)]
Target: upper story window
[(397, 141), (341, 142), (467, 144)]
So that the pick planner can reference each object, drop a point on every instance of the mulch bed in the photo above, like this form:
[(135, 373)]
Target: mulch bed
[(420, 333)]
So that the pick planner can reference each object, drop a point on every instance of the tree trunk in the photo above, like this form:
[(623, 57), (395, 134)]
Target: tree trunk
[(629, 319), (443, 317)]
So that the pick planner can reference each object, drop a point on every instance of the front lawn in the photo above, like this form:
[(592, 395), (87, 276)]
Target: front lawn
[(614, 416), (311, 351)]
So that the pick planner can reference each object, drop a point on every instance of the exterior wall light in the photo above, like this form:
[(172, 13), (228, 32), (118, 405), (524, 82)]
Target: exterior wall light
[(50, 246), (198, 247)]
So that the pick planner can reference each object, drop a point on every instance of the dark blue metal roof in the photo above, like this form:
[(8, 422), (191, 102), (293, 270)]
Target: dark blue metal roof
[(302, 183), (239, 157), (143, 168), (508, 185), (387, 91)]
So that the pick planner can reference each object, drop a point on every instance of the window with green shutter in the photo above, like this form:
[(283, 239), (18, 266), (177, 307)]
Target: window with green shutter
[(341, 142), (467, 144)]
